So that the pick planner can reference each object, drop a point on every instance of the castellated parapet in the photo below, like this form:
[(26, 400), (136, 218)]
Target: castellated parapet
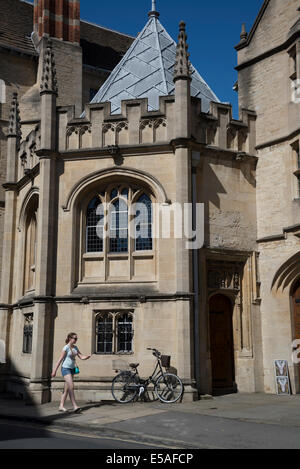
[(99, 130), (138, 126)]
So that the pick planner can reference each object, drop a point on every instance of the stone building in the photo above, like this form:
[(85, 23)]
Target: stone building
[(268, 70), (79, 77), (78, 255)]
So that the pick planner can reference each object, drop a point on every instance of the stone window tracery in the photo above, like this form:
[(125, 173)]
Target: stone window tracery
[(108, 218), (114, 333), (118, 226)]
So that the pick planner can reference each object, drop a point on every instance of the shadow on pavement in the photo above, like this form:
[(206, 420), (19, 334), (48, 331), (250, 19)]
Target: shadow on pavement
[(17, 408), (50, 419)]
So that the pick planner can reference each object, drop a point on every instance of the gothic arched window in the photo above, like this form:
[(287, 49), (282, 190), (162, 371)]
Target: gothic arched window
[(111, 210)]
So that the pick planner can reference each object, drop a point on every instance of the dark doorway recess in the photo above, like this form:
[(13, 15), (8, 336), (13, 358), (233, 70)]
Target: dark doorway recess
[(221, 345)]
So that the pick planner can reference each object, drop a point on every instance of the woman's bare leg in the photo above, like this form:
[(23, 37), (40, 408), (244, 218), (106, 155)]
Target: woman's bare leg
[(64, 397), (70, 385)]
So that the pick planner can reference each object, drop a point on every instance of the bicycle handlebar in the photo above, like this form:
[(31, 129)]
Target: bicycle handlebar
[(156, 353)]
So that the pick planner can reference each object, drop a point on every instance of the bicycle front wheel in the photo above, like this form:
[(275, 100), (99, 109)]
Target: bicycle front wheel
[(169, 388), (124, 387)]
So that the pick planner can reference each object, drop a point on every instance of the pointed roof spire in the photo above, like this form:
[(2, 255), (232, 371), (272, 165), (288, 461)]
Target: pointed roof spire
[(182, 63), (147, 71), (14, 128), (49, 80), (153, 11)]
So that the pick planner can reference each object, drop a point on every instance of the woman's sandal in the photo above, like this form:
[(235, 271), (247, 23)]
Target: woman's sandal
[(77, 411), (63, 410)]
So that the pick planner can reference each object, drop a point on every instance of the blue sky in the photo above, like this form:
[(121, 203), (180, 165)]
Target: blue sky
[(213, 29)]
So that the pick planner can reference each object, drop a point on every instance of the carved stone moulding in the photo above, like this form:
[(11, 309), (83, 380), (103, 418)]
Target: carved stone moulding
[(224, 275)]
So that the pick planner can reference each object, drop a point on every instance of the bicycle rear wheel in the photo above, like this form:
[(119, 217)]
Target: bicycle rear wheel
[(169, 388), (124, 387)]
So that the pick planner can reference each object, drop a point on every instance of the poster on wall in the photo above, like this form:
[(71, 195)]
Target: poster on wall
[(282, 378)]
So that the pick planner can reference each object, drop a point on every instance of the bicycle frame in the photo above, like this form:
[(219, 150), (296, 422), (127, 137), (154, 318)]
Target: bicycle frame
[(158, 371), (167, 386)]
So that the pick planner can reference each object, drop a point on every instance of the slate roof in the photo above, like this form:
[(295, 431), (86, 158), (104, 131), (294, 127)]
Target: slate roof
[(102, 47), (146, 71), (16, 26)]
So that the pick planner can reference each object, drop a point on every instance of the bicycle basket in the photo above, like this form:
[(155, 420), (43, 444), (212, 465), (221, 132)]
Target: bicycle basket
[(166, 361), (120, 365)]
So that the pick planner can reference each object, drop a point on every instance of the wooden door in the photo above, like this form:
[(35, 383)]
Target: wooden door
[(221, 342)]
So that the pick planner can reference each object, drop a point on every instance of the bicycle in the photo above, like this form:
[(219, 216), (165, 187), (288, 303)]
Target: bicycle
[(168, 387)]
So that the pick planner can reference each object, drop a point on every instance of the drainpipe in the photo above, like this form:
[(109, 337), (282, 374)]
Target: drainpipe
[(195, 162)]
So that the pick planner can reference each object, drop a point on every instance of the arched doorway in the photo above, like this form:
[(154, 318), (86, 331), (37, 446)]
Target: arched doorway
[(295, 299), (221, 344)]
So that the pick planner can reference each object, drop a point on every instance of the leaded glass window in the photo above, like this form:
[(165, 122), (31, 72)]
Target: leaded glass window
[(118, 230), (114, 193), (95, 226), (114, 332), (125, 333), (107, 221), (125, 193), (27, 334), (104, 334), (143, 225)]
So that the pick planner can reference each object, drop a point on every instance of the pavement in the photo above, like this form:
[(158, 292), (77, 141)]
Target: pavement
[(232, 421)]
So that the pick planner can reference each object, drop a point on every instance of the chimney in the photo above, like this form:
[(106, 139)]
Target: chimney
[(58, 19)]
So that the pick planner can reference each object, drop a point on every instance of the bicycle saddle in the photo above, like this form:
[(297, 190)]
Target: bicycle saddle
[(134, 365)]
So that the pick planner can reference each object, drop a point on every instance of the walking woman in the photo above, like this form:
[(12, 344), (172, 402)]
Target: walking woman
[(68, 361)]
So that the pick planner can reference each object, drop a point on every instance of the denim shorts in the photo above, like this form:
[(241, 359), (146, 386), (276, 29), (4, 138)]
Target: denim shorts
[(67, 371)]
